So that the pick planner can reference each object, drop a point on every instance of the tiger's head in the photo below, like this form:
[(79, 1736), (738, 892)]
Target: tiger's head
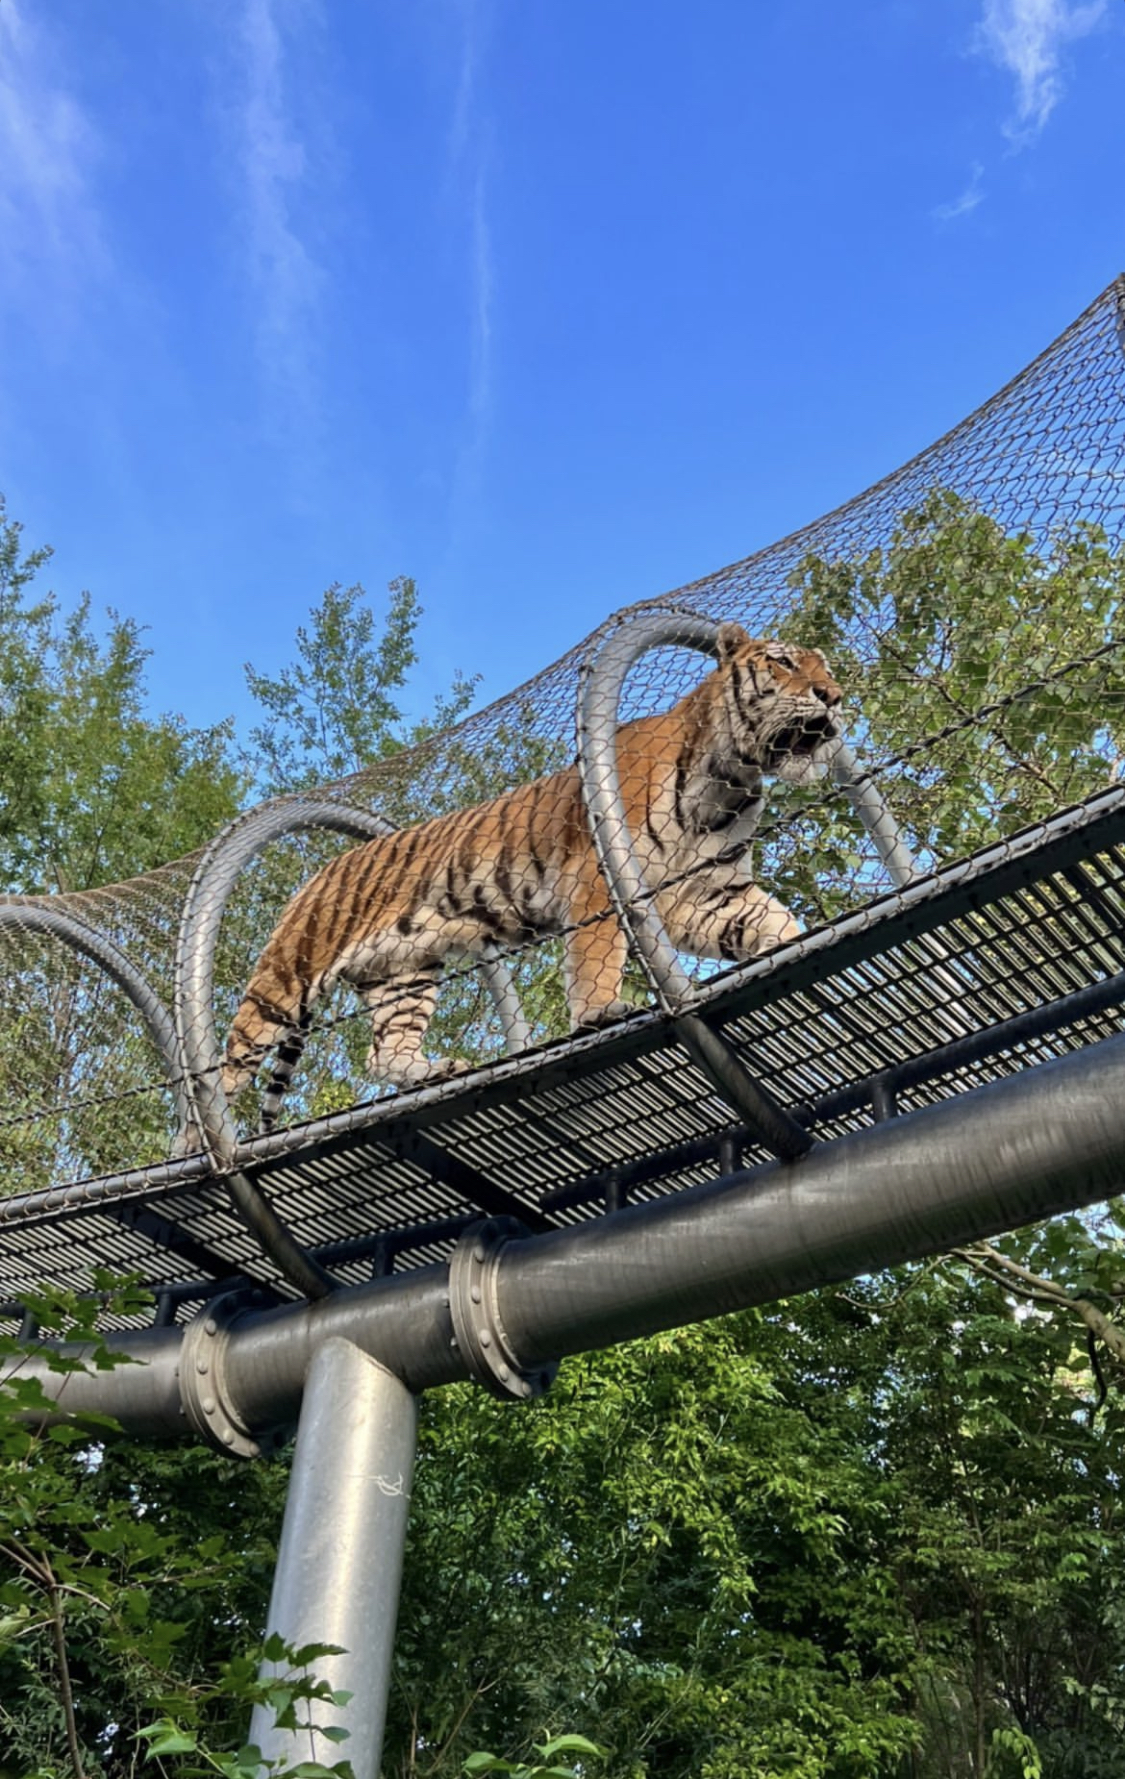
[(781, 704)]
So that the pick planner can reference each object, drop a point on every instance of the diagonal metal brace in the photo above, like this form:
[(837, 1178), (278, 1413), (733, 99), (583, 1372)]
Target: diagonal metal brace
[(474, 1187)]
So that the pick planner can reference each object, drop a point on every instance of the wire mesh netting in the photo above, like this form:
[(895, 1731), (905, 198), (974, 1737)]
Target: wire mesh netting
[(959, 623)]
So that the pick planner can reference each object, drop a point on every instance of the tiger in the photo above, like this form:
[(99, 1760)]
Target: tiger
[(384, 916)]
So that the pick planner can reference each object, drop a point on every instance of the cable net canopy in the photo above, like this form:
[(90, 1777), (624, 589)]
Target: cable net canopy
[(959, 624)]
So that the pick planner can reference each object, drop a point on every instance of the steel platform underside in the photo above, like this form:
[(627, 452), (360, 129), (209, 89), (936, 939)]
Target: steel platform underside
[(992, 966)]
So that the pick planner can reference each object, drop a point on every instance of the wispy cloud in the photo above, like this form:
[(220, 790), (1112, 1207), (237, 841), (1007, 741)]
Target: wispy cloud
[(966, 202), (460, 127), (1026, 38), (468, 163), (483, 279), (49, 216), (274, 173)]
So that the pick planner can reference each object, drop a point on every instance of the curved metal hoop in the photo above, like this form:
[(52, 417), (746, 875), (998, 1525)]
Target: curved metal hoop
[(602, 679), (39, 916), (207, 897)]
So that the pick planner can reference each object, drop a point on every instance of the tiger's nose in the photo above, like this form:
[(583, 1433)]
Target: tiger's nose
[(830, 695)]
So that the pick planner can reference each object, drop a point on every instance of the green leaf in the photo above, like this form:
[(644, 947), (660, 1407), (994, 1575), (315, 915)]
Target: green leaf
[(570, 1745), (168, 1738)]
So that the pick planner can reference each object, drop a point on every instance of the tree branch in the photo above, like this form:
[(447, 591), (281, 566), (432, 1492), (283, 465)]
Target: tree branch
[(66, 1691), (988, 1260), (1099, 1375)]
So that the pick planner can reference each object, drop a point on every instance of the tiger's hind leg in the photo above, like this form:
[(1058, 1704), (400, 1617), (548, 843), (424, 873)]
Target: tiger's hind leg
[(401, 1008), (719, 913)]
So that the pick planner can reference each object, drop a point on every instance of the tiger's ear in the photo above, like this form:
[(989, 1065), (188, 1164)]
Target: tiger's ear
[(730, 639)]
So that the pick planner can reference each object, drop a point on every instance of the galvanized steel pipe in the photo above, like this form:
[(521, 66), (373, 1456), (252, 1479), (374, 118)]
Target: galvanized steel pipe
[(339, 1564), (1050, 1140)]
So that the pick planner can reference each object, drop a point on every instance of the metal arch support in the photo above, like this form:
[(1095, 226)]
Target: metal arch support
[(40, 916), (209, 892), (211, 887), (602, 679)]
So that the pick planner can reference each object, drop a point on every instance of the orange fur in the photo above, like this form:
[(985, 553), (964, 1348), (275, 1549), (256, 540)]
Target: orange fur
[(385, 915)]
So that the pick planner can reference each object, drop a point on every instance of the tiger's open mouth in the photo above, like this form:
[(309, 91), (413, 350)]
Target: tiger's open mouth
[(804, 738)]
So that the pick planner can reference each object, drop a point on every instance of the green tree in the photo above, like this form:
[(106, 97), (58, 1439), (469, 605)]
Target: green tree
[(95, 790), (984, 680), (336, 708)]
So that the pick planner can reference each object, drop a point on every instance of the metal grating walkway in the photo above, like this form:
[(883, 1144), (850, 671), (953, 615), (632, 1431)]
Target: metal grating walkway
[(1009, 958)]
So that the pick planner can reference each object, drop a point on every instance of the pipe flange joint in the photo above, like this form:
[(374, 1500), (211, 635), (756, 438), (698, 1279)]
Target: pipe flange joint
[(479, 1334), (203, 1380)]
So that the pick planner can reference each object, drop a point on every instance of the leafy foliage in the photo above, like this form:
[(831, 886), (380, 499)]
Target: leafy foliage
[(985, 682), (545, 1767), (94, 788), (335, 709)]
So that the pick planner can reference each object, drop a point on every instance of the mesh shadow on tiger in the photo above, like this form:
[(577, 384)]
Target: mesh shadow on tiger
[(384, 917)]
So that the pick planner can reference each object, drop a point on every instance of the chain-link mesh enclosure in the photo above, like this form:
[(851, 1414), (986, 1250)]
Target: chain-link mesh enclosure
[(958, 625)]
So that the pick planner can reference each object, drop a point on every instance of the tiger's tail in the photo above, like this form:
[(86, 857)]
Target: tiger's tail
[(289, 1053), (259, 1025)]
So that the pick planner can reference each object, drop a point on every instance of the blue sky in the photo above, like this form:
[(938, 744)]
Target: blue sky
[(552, 304)]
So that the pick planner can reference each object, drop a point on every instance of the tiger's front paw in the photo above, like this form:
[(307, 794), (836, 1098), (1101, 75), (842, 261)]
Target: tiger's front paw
[(593, 1018), (189, 1141), (413, 1071), (444, 1068)]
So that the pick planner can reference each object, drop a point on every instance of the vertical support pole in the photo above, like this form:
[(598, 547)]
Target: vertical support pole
[(873, 811), (340, 1561)]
